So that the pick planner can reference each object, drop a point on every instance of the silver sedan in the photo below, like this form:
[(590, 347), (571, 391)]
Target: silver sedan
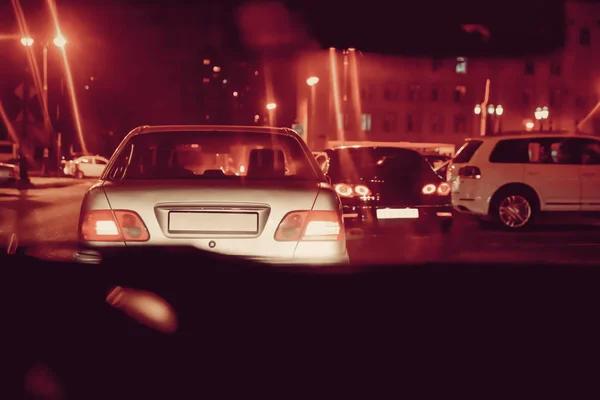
[(254, 192)]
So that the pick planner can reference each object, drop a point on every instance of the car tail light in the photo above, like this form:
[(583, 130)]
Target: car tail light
[(362, 190), (443, 189), (113, 226), (346, 190), (469, 172), (429, 189), (310, 226)]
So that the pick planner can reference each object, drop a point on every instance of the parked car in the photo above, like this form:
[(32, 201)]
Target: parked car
[(85, 167), (512, 179), (8, 174)]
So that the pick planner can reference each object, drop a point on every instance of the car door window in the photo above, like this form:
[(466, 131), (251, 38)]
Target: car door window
[(591, 152), (510, 151), (558, 151), (99, 161)]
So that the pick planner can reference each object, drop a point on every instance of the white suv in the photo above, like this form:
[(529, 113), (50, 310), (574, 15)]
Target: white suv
[(510, 179)]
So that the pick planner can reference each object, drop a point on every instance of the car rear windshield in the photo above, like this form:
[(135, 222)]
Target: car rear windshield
[(214, 155), (354, 164), (466, 152)]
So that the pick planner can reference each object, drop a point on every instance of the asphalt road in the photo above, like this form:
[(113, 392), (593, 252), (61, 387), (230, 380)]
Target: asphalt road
[(47, 216)]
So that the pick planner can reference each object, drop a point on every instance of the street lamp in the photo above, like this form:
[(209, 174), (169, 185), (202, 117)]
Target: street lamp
[(27, 41), (312, 81), (541, 114), (477, 110), (495, 112), (60, 41), (271, 107)]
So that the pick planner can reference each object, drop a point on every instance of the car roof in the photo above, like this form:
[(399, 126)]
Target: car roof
[(530, 135), (268, 130), (373, 147)]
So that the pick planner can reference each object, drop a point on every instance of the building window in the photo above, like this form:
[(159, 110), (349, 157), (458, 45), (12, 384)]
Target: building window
[(390, 122), (367, 91), (437, 124), (555, 69), (460, 124), (434, 94), (410, 124), (526, 97), (529, 67), (391, 93), (366, 123), (555, 98), (580, 102), (459, 93), (436, 64), (584, 37), (461, 65), (413, 92)]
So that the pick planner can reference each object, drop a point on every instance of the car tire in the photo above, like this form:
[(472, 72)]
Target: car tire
[(514, 210), (79, 175)]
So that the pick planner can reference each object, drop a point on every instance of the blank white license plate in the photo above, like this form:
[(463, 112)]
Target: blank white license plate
[(397, 213)]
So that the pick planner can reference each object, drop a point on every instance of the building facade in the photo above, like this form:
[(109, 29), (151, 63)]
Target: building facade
[(384, 98)]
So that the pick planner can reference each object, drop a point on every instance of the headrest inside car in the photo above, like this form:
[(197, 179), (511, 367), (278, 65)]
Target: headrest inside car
[(266, 163)]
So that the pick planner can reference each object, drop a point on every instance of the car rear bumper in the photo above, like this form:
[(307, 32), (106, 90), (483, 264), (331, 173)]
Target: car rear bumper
[(95, 255), (365, 220)]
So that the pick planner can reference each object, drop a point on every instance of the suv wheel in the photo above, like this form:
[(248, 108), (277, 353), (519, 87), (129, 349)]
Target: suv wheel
[(515, 211), (79, 175)]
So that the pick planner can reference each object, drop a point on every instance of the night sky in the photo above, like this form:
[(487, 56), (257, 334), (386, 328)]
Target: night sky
[(144, 53)]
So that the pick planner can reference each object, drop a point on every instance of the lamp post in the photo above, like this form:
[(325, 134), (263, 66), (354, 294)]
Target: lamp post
[(541, 114), (60, 42), (311, 82), (499, 112), (271, 107)]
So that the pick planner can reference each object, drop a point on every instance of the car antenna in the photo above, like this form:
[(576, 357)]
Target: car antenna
[(13, 244)]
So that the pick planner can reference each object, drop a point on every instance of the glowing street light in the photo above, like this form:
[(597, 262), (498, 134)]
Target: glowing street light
[(477, 109), (541, 114), (312, 81), (27, 41), (271, 106), (60, 41), (499, 110), (491, 109)]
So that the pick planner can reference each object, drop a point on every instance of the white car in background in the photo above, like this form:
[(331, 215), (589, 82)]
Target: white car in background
[(8, 174), (511, 179), (85, 167)]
